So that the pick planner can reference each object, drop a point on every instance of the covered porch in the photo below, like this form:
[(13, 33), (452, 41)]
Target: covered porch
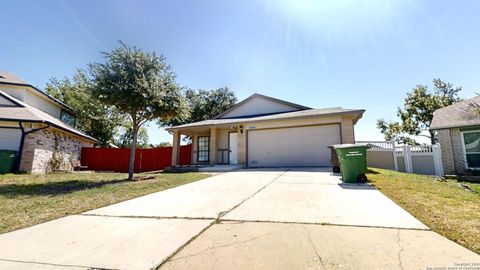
[(211, 145)]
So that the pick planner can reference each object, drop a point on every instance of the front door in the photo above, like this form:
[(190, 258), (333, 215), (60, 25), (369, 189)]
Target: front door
[(232, 146)]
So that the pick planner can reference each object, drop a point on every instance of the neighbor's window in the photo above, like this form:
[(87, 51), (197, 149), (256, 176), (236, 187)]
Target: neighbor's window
[(68, 118), (203, 151), (472, 148)]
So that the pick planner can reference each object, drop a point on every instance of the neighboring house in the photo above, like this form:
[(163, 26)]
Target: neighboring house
[(458, 127), (262, 131), (39, 127)]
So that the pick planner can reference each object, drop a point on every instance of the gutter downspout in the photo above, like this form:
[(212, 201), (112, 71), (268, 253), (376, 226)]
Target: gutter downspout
[(22, 140)]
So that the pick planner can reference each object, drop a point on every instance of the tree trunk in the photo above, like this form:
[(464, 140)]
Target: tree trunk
[(131, 163)]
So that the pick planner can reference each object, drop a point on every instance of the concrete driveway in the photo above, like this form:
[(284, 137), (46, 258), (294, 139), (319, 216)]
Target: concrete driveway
[(248, 219)]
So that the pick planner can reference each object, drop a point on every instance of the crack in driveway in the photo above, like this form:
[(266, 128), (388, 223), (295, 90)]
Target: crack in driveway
[(222, 214), (314, 248), (56, 264), (400, 250), (229, 244), (147, 217), (217, 220)]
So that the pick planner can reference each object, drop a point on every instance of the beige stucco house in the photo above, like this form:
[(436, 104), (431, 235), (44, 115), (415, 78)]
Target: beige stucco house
[(458, 128), (262, 131), (39, 127)]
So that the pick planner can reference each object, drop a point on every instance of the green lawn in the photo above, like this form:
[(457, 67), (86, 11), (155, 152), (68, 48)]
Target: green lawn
[(26, 200), (444, 206)]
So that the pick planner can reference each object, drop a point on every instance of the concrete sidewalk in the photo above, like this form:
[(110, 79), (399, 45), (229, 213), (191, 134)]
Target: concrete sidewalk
[(248, 219)]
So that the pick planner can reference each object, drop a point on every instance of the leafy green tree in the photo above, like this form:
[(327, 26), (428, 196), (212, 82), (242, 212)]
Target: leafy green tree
[(93, 117), (125, 138), (162, 144), (417, 112), (205, 104), (140, 85)]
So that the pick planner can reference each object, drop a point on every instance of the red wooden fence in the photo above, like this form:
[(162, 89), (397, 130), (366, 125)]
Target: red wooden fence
[(148, 159)]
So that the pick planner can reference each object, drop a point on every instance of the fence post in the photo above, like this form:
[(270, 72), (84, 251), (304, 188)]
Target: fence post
[(437, 159), (394, 152), (407, 158)]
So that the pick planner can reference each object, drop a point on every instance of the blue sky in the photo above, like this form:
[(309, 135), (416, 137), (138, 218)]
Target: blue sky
[(354, 54)]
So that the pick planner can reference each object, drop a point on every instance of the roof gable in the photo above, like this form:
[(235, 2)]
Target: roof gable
[(461, 114), (7, 78), (258, 104), (23, 112)]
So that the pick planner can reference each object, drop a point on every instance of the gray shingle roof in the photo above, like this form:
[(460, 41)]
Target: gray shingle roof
[(278, 116), (462, 114), (27, 113), (7, 77)]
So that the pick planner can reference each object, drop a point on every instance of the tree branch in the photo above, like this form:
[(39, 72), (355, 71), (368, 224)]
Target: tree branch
[(142, 122)]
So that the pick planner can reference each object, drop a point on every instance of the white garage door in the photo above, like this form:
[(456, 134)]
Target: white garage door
[(299, 146), (10, 139)]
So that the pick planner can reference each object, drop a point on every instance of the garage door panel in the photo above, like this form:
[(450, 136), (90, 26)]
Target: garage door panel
[(300, 146)]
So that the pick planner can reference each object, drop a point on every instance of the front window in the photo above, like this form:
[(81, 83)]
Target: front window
[(203, 151), (471, 141), (68, 118)]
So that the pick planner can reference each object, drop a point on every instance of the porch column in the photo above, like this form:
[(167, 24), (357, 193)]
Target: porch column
[(194, 149), (213, 146), (176, 148)]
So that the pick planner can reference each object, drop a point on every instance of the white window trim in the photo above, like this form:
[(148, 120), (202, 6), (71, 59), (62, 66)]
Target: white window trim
[(465, 150)]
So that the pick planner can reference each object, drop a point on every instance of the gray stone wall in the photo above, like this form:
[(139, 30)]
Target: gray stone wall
[(50, 150)]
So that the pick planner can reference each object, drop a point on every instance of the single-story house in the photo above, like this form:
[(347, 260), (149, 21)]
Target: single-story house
[(262, 131), (39, 127), (458, 128)]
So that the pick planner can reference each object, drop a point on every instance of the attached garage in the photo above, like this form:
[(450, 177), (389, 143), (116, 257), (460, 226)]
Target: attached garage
[(262, 131), (292, 146)]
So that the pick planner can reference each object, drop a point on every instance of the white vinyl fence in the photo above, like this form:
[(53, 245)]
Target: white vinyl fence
[(421, 159)]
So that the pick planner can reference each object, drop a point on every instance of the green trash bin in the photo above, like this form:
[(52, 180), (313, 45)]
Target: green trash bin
[(7, 160), (353, 161)]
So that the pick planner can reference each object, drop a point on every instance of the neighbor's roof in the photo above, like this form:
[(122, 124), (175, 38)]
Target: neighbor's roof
[(7, 78), (277, 116), (461, 114), (26, 113)]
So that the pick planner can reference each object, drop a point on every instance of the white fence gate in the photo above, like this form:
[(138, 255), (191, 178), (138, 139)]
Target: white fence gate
[(420, 159)]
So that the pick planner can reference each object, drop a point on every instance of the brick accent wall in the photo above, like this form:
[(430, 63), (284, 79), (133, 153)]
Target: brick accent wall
[(453, 158), (348, 135), (40, 147), (458, 155), (445, 141)]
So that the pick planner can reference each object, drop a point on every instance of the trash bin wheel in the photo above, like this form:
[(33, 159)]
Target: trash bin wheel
[(336, 169), (362, 178)]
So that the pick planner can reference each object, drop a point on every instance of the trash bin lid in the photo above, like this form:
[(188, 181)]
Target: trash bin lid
[(348, 145)]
